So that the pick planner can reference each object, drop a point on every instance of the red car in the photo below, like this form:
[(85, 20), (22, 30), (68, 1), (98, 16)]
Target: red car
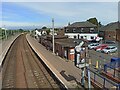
[(101, 47)]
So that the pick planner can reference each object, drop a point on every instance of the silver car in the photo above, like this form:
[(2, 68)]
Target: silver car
[(110, 49), (93, 45)]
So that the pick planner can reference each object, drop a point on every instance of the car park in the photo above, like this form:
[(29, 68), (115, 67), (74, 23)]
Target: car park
[(101, 47), (110, 49), (93, 45)]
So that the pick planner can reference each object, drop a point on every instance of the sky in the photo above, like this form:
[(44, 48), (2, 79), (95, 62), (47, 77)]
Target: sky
[(39, 14)]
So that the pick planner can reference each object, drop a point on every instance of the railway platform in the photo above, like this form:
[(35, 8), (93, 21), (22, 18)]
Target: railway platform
[(4, 47), (64, 70)]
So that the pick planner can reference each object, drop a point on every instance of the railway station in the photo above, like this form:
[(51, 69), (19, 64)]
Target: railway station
[(63, 46), (24, 49)]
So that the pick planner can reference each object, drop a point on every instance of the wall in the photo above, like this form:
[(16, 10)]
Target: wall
[(110, 35), (118, 35), (85, 36), (64, 51), (71, 54)]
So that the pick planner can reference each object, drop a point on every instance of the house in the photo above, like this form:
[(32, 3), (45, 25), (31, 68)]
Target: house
[(118, 35), (118, 40), (37, 33), (82, 30), (42, 32), (109, 31)]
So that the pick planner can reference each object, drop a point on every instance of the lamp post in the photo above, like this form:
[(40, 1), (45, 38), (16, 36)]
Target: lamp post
[(53, 35)]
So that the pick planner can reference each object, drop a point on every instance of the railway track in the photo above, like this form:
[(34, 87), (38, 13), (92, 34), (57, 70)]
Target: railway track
[(23, 69)]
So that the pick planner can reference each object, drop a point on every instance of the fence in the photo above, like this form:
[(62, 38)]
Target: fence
[(101, 81), (113, 68)]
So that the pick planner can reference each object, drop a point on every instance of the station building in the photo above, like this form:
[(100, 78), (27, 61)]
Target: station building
[(64, 46)]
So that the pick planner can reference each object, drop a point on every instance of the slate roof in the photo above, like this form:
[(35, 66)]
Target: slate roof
[(82, 24), (110, 27), (70, 42)]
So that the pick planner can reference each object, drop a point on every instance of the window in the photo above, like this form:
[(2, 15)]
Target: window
[(112, 47), (74, 30), (74, 36), (91, 29), (82, 29), (92, 37), (67, 30), (85, 37), (81, 37)]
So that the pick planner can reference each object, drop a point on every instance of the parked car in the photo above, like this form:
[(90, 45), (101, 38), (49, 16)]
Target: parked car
[(110, 42), (101, 47), (93, 45), (110, 49)]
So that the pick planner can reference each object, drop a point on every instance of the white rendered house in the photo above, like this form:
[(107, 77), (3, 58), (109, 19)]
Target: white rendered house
[(82, 30)]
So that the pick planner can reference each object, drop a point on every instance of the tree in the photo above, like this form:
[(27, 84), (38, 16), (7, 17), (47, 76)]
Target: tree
[(93, 21), (48, 31), (44, 27), (36, 29), (100, 25), (69, 24), (21, 30)]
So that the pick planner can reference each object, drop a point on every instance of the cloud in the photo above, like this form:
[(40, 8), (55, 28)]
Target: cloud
[(62, 12), (75, 11)]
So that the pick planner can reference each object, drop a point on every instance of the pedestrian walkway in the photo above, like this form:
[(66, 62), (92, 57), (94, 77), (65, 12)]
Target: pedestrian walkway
[(65, 71)]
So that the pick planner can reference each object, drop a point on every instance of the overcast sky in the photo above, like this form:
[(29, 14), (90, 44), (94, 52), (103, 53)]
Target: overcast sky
[(34, 14)]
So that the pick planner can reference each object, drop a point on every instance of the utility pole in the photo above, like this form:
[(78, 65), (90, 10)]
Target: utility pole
[(5, 32), (53, 35)]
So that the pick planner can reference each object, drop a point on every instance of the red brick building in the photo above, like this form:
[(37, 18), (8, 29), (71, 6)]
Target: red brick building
[(118, 35), (64, 47), (118, 39), (108, 32)]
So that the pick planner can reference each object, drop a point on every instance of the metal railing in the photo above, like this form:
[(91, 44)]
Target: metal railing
[(113, 68), (101, 81)]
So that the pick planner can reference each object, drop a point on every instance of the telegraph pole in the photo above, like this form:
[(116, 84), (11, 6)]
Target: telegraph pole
[(53, 35), (5, 32)]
